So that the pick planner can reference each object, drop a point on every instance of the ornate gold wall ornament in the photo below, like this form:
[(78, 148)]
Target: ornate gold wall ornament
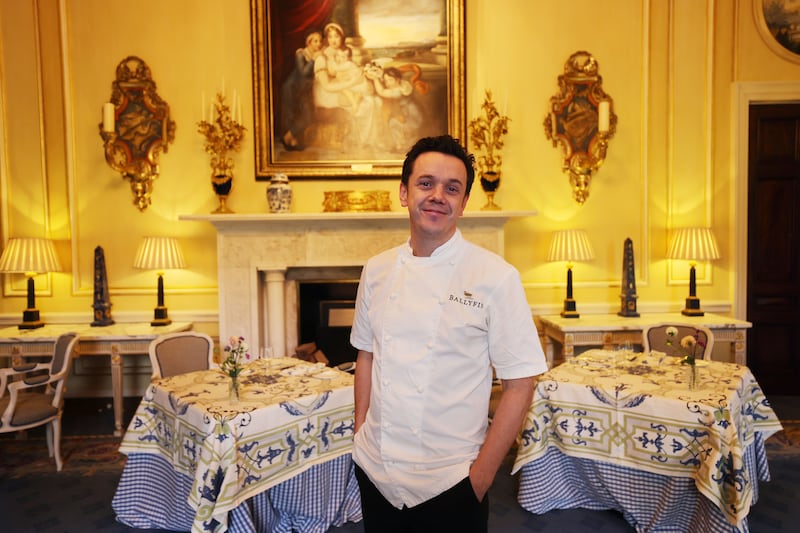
[(136, 128), (581, 121)]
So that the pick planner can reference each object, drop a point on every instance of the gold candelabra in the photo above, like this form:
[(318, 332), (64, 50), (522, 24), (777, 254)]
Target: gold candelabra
[(223, 135), (487, 133)]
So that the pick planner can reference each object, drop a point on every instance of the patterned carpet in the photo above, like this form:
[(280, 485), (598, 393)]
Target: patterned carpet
[(785, 443), (86, 456), (34, 498)]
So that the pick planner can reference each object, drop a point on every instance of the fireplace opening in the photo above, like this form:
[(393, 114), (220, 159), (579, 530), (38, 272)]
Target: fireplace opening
[(325, 312)]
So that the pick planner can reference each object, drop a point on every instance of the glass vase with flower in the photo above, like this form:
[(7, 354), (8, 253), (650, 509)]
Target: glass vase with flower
[(236, 355), (687, 347)]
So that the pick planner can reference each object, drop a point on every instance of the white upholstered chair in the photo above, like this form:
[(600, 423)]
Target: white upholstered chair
[(182, 352), (655, 338), (33, 395)]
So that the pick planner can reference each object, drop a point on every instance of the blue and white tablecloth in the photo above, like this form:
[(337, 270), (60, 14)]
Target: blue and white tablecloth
[(637, 412), (291, 416)]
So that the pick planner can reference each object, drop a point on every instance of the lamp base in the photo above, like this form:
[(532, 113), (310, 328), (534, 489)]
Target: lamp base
[(570, 309), (30, 319), (160, 317), (692, 307)]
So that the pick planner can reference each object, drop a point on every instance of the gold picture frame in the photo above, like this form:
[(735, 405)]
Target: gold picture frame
[(775, 22), (361, 97)]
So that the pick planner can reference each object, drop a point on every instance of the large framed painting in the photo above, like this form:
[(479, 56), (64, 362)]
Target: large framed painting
[(343, 88), (778, 22)]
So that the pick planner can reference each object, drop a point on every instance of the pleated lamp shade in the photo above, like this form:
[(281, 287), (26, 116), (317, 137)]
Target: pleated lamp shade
[(694, 244), (158, 253), (29, 256), (570, 245)]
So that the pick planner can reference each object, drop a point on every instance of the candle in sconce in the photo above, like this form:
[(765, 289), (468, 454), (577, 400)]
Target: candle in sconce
[(108, 116), (603, 116), (203, 106)]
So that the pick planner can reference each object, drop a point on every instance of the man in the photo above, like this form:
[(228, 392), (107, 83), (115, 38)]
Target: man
[(432, 318)]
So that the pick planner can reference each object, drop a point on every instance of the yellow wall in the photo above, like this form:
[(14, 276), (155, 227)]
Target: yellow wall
[(668, 65)]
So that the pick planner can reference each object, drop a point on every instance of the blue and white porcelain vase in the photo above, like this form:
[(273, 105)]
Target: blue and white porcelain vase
[(279, 194)]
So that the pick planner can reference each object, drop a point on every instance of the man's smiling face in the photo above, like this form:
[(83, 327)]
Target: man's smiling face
[(435, 198)]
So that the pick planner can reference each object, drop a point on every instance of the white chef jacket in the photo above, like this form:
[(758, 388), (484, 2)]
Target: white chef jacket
[(436, 326)]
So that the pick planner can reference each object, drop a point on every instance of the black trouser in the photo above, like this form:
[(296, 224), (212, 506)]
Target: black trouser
[(456, 509)]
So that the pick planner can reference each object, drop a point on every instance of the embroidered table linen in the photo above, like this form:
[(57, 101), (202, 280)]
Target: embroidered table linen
[(290, 416), (637, 410)]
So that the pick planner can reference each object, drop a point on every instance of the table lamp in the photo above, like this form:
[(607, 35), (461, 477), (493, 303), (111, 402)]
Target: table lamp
[(159, 253), (570, 245), (693, 244), (30, 256)]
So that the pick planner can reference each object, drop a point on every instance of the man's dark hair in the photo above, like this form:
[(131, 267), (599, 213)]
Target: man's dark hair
[(444, 144)]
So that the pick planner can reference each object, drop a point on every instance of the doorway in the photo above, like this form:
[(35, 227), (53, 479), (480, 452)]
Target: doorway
[(773, 245)]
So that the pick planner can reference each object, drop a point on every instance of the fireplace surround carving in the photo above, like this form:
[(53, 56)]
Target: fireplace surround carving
[(259, 256)]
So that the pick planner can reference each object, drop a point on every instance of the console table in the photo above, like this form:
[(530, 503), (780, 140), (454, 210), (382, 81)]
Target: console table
[(113, 341), (609, 331)]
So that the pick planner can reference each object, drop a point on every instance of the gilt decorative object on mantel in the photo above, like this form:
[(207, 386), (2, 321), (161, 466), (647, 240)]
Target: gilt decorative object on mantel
[(349, 201), (487, 133), (581, 121), (136, 128), (224, 134)]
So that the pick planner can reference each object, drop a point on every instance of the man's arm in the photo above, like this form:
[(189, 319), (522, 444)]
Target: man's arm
[(363, 386), (506, 423)]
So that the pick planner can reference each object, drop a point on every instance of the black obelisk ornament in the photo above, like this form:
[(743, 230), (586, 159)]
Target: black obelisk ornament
[(102, 300), (628, 295)]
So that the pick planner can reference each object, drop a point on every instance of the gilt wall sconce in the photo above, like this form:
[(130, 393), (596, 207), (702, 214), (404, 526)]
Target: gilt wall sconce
[(581, 121), (136, 128)]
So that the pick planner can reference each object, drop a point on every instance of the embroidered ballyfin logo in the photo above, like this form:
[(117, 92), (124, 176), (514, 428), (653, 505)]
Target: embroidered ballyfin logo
[(467, 300)]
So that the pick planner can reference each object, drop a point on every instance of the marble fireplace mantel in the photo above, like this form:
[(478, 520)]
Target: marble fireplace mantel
[(257, 299)]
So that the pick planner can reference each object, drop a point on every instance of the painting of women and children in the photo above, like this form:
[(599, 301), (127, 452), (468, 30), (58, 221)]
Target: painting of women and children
[(356, 81)]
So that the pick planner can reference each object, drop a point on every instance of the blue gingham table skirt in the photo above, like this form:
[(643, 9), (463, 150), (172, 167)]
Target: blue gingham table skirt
[(651, 503), (152, 495)]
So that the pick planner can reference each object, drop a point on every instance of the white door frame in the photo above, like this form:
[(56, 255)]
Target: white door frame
[(746, 93)]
